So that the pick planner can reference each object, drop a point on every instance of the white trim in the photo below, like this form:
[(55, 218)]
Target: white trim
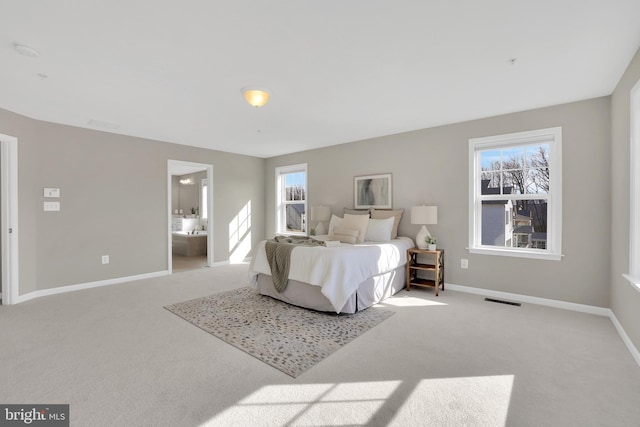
[(635, 282), (180, 165), (564, 305), (591, 309), (9, 241), (625, 338), (634, 188), (280, 220), (81, 286), (228, 262), (514, 252)]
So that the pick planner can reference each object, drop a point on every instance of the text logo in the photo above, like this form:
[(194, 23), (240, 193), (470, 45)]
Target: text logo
[(34, 415)]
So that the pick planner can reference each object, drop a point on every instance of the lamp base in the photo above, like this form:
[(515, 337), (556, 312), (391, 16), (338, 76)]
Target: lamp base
[(320, 229), (422, 234)]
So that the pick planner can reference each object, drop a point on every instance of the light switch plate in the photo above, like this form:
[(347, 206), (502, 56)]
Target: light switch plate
[(51, 206), (51, 192)]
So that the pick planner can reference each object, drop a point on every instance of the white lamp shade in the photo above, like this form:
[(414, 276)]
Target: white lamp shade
[(320, 213), (424, 215)]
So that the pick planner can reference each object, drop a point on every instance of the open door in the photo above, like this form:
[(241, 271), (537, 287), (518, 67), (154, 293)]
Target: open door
[(180, 217)]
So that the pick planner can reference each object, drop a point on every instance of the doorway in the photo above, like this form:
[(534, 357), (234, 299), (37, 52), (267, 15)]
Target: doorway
[(9, 218), (190, 215)]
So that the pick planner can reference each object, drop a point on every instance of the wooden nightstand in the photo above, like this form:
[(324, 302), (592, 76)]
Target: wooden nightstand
[(437, 268)]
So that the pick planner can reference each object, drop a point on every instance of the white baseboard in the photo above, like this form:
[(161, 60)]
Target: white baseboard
[(590, 309), (228, 262), (71, 288), (625, 338)]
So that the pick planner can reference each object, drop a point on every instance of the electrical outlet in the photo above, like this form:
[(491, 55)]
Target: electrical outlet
[(464, 263), (105, 259)]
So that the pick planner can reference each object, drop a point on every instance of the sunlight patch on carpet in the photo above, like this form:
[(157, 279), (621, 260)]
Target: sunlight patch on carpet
[(476, 401), (338, 404), (289, 338), (406, 301)]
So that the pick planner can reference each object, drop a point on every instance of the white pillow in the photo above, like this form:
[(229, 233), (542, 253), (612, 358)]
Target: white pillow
[(379, 230), (382, 214), (336, 221), (356, 222)]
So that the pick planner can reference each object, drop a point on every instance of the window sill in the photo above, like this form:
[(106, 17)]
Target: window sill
[(635, 281), (517, 254)]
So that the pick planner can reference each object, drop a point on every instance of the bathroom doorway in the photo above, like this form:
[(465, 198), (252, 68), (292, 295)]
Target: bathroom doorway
[(190, 212)]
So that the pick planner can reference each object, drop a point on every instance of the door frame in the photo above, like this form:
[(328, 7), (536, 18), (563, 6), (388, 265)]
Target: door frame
[(181, 167), (9, 218)]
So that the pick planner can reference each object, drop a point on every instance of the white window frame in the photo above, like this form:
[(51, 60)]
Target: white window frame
[(552, 136), (204, 195), (281, 227), (634, 186)]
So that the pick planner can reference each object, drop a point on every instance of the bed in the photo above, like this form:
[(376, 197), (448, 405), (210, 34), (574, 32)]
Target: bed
[(343, 279)]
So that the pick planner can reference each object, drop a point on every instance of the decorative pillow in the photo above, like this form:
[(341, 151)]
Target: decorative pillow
[(345, 235), (336, 221), (357, 222), (379, 230), (383, 214), (357, 211)]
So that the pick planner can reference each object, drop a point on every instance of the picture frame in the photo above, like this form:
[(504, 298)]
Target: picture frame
[(372, 191)]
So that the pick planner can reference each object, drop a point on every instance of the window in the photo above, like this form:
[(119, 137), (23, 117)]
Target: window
[(634, 184), (515, 194), (291, 199)]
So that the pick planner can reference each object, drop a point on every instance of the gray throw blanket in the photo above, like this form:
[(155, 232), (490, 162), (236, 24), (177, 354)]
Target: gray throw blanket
[(279, 256)]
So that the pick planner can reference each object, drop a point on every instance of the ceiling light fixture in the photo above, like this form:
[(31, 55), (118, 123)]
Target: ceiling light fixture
[(256, 97), (25, 50)]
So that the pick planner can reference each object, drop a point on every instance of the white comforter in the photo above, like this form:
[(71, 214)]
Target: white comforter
[(337, 270)]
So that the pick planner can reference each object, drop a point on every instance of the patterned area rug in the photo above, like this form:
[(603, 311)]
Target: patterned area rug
[(289, 338)]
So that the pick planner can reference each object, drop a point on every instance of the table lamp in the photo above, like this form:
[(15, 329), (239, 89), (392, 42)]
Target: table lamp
[(423, 215), (320, 214)]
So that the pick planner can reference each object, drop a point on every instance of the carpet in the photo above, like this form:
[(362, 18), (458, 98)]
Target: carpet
[(289, 338)]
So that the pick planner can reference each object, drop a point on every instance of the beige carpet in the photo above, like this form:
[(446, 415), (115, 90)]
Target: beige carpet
[(119, 358), (289, 338)]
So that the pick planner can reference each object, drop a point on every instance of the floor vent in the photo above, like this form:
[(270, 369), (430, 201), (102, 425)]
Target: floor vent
[(503, 301)]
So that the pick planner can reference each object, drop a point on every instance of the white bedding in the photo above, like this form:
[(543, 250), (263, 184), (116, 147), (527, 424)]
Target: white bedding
[(337, 270)]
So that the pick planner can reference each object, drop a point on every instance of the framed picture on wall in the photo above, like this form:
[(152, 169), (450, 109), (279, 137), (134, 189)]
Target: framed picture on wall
[(372, 191)]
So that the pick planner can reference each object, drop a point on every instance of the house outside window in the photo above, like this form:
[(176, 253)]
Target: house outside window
[(291, 199), (515, 194)]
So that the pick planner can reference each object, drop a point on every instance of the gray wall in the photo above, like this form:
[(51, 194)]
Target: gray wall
[(431, 166), (113, 201), (625, 300)]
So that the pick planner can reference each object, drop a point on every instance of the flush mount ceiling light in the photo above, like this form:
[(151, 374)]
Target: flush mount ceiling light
[(256, 97), (25, 50)]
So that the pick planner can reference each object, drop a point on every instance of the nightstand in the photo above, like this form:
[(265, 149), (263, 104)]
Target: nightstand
[(433, 262)]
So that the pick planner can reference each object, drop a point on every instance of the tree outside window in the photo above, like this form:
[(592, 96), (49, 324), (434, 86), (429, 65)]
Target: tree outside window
[(515, 194), (291, 195)]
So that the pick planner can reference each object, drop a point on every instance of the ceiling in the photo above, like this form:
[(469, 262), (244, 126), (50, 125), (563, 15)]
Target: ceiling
[(339, 71)]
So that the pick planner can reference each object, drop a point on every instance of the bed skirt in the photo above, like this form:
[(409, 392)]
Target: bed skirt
[(369, 292)]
